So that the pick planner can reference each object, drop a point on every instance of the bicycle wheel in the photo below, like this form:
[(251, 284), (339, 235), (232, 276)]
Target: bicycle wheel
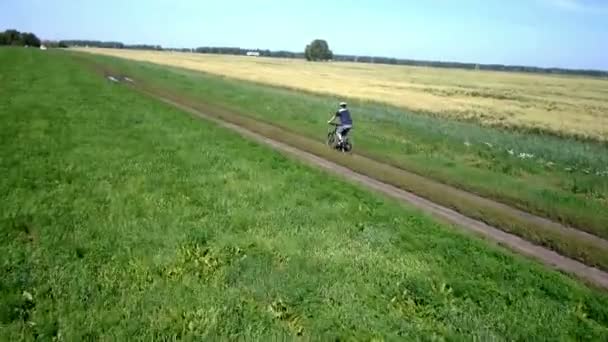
[(331, 139), (347, 146)]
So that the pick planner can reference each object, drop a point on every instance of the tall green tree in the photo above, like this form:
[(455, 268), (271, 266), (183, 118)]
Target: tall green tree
[(14, 37), (318, 50), (30, 39)]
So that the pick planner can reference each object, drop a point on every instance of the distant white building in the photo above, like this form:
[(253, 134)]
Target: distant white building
[(253, 53), (42, 47)]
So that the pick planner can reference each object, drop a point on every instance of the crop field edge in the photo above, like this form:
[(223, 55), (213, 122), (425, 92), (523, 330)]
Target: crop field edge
[(588, 251), (589, 275), (580, 223), (509, 127)]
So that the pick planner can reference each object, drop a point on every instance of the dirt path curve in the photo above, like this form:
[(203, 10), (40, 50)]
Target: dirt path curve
[(546, 256)]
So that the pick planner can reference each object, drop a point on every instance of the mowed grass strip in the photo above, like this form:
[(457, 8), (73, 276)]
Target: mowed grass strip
[(255, 106), (123, 218), (562, 105), (563, 179)]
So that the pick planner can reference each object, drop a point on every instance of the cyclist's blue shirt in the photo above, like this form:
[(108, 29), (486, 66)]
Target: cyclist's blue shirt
[(344, 116)]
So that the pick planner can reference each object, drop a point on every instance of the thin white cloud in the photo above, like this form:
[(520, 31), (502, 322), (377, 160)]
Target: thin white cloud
[(570, 5), (578, 6)]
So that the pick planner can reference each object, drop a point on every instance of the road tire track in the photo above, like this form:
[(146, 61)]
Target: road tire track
[(548, 257)]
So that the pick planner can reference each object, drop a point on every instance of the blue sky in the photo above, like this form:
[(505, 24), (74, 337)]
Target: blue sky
[(562, 33)]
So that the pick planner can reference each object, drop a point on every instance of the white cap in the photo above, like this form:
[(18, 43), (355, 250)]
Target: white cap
[(342, 104)]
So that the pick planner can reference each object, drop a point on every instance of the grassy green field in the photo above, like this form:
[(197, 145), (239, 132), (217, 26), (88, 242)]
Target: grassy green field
[(562, 179), (123, 218)]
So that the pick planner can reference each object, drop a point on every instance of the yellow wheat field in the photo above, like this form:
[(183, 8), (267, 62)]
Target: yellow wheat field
[(562, 104)]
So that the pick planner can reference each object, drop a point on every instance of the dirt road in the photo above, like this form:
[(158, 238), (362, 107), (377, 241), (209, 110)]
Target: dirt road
[(548, 257)]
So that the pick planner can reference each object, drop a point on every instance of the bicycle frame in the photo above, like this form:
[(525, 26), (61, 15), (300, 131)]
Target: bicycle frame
[(332, 135)]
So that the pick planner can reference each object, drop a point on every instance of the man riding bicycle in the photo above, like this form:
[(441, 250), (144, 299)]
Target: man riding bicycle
[(346, 122)]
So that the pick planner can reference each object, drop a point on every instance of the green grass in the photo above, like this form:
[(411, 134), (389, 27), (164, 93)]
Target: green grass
[(566, 180), (585, 250), (197, 90), (123, 218)]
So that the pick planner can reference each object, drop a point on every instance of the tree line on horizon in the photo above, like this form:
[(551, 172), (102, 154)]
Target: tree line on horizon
[(16, 38), (204, 49), (348, 58), (318, 50)]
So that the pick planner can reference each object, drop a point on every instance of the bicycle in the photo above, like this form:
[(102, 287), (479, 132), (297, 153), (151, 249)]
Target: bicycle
[(332, 138)]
